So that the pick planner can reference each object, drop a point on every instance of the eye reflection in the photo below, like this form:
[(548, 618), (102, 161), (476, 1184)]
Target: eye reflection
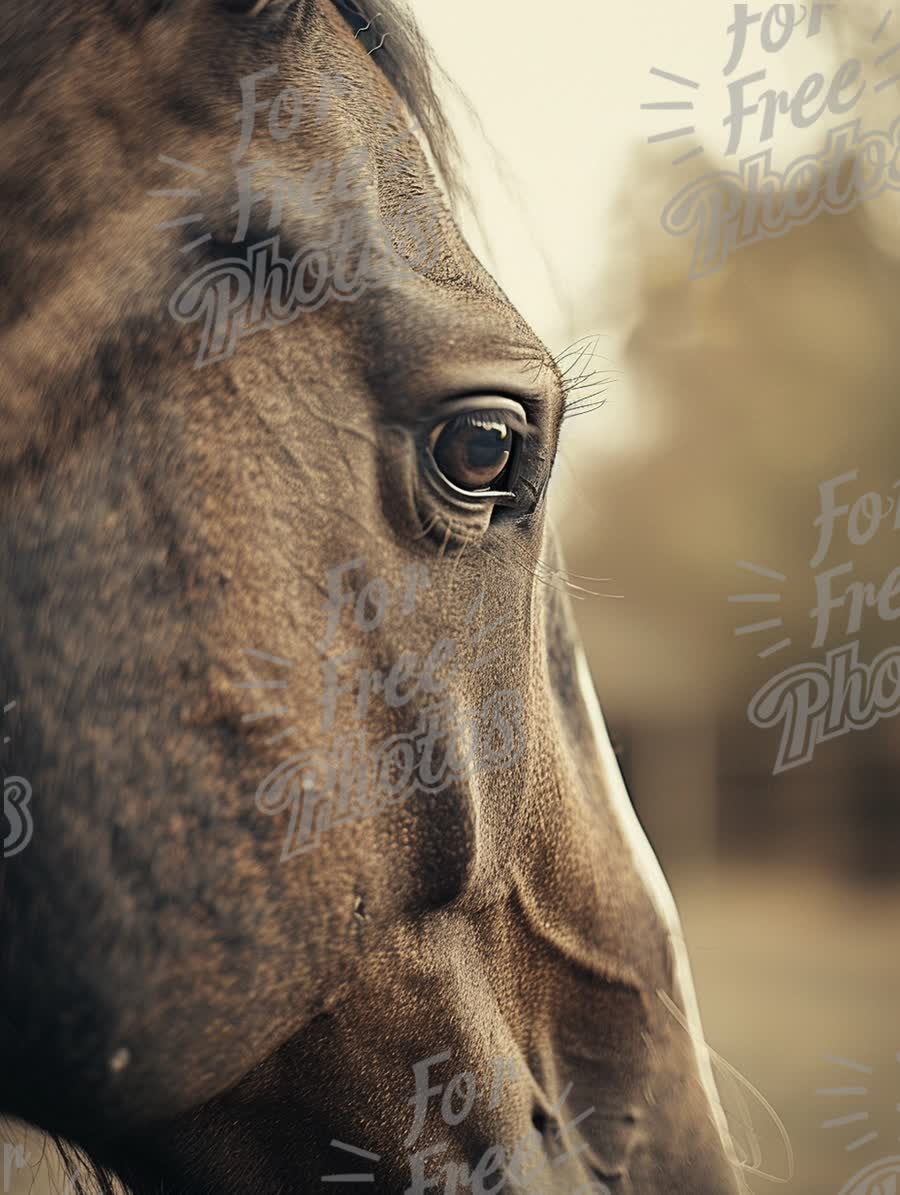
[(473, 449)]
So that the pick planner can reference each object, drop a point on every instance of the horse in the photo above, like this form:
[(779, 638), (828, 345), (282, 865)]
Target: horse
[(333, 875)]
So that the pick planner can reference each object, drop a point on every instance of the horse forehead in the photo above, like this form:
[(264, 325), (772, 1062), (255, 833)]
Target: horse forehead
[(122, 122)]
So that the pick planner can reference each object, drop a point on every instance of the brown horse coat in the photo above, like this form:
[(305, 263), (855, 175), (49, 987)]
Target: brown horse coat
[(198, 1013)]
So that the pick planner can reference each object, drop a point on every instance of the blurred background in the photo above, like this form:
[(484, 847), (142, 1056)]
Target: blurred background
[(729, 398)]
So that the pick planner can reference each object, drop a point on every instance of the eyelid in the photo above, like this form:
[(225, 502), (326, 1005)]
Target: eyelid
[(488, 403)]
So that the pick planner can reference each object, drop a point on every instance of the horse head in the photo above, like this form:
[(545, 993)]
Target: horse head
[(326, 821)]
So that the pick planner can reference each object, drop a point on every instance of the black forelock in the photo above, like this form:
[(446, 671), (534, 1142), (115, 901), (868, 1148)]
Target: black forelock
[(390, 33)]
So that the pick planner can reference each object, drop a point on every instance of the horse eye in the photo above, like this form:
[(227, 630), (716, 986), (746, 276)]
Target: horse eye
[(473, 449)]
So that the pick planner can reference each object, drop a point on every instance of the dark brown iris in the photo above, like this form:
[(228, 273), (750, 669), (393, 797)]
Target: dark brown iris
[(472, 450)]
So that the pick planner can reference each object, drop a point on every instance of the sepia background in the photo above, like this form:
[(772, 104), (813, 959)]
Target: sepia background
[(728, 400)]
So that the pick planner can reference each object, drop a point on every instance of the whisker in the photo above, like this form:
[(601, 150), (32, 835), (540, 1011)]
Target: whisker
[(567, 572), (426, 530), (564, 574), (530, 569), (466, 541), (740, 1081)]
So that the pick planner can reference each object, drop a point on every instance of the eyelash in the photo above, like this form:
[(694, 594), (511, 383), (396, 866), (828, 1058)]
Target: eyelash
[(592, 382)]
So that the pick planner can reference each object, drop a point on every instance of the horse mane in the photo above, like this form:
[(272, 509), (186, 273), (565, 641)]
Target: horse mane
[(393, 38)]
